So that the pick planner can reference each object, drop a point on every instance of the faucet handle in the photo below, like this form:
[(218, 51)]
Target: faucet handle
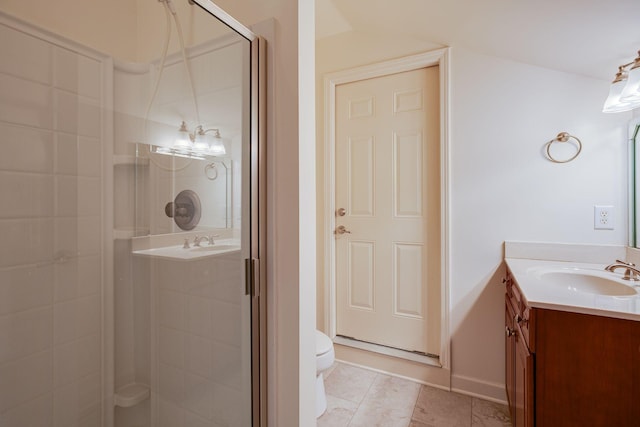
[(186, 244), (626, 263)]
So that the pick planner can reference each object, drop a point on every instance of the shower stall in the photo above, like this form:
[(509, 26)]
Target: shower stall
[(131, 255)]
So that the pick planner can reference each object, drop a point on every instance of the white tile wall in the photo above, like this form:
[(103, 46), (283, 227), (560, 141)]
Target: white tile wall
[(26, 103), (24, 56), (36, 412), (25, 288), (199, 349), (50, 223), (14, 329), (26, 149)]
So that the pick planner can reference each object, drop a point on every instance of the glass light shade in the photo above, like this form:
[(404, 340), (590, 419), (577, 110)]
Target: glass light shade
[(613, 104), (183, 139), (631, 90), (216, 146), (200, 144)]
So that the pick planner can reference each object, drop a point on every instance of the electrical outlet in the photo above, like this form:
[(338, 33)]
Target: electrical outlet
[(603, 217)]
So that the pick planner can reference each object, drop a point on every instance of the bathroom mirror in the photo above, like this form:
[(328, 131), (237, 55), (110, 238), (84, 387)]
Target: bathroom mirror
[(634, 182), (187, 129)]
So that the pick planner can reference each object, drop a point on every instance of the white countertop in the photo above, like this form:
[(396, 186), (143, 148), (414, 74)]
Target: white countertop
[(539, 294), (178, 252)]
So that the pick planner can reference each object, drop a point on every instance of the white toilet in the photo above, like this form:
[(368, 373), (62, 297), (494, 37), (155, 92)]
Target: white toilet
[(325, 357)]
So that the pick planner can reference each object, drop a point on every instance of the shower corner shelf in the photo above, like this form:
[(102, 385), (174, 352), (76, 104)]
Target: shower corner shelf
[(129, 160), (130, 395)]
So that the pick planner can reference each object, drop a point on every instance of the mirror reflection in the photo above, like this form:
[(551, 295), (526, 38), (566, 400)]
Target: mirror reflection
[(634, 182), (186, 122)]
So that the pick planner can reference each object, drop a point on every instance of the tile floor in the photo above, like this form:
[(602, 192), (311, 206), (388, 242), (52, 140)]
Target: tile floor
[(358, 397)]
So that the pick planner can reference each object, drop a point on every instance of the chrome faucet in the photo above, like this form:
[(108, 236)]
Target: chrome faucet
[(198, 239), (631, 273)]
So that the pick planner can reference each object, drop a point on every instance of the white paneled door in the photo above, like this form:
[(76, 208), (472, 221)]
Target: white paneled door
[(388, 210)]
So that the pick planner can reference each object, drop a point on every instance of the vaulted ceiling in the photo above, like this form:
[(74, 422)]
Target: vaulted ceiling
[(587, 37)]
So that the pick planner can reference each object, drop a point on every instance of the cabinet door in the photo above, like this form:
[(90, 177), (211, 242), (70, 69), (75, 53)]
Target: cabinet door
[(523, 382), (510, 353)]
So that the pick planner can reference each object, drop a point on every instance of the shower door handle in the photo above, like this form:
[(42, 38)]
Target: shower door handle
[(251, 276)]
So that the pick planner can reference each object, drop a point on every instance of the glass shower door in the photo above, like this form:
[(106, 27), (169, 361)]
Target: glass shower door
[(129, 217), (193, 219)]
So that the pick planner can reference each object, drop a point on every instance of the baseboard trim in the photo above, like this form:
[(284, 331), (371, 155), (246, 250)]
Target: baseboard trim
[(494, 392)]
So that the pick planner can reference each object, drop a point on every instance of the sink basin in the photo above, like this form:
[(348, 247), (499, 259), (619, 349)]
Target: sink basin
[(589, 282), (179, 252)]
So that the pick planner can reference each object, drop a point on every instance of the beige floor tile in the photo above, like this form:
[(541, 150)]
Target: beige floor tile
[(359, 397), (489, 414), (373, 415), (393, 392), (338, 414), (389, 403), (349, 382), (440, 408)]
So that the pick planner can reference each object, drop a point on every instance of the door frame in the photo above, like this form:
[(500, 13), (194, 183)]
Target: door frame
[(438, 57)]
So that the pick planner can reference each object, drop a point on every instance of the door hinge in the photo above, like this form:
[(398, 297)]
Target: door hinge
[(252, 276)]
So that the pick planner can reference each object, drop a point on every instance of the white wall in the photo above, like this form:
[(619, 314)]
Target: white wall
[(503, 188), (108, 26), (503, 112)]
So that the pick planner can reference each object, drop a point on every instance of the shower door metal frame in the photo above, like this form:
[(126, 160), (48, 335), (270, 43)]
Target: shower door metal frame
[(256, 277)]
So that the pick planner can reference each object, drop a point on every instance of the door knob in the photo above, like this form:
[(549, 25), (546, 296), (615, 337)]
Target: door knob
[(341, 212), (341, 230)]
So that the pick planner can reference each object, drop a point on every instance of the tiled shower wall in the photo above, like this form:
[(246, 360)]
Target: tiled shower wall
[(202, 351), (51, 256)]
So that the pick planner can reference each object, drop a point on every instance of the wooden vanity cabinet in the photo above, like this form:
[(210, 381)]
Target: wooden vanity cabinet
[(570, 369), (519, 361)]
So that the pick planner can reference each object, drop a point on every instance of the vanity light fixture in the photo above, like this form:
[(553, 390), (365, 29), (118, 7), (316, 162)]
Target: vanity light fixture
[(196, 145), (624, 93)]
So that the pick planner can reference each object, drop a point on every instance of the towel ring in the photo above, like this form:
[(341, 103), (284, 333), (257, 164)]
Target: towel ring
[(211, 171), (563, 137)]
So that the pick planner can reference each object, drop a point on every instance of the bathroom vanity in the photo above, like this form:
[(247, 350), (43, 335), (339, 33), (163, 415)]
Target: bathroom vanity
[(572, 345)]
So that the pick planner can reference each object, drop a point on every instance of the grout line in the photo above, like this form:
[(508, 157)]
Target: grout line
[(415, 404)]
